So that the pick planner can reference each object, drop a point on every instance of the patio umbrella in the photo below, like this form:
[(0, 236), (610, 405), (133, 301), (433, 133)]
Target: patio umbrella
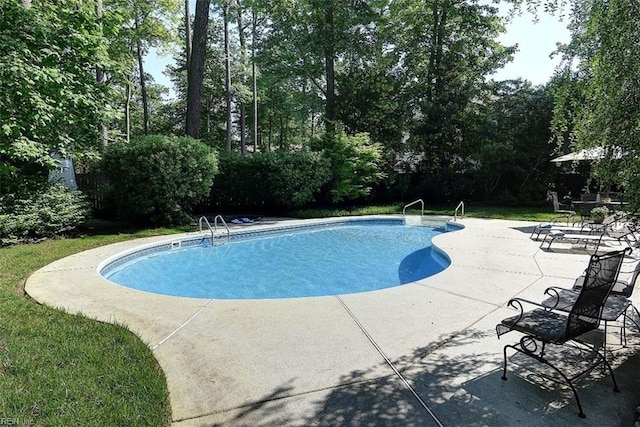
[(589, 154)]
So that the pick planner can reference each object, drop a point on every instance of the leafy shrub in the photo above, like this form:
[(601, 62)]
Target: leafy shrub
[(158, 179), (273, 179), (356, 164), (51, 211)]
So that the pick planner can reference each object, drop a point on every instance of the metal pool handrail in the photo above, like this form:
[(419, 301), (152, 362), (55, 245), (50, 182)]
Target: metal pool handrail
[(205, 220), (413, 203), (455, 213), (215, 225)]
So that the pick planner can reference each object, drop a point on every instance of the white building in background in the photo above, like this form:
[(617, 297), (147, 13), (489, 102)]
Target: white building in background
[(64, 173)]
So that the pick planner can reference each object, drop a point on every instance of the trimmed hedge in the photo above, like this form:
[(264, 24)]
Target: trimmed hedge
[(158, 179), (271, 180)]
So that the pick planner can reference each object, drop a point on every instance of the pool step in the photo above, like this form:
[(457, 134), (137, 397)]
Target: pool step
[(427, 221)]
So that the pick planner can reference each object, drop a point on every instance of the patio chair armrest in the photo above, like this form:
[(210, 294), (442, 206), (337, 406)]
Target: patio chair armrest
[(517, 304), (552, 291)]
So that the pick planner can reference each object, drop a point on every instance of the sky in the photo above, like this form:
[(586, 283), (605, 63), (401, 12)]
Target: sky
[(536, 42)]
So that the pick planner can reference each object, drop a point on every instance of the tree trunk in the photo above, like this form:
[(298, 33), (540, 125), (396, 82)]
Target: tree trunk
[(208, 109), (243, 60), (329, 62), (255, 81), (270, 132), (434, 73), (227, 67), (127, 111), (143, 89), (243, 126), (439, 49), (281, 135), (431, 70), (187, 32), (101, 77), (195, 75)]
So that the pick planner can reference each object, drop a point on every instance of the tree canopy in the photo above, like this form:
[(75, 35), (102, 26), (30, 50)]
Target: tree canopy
[(49, 99), (598, 100), (401, 84)]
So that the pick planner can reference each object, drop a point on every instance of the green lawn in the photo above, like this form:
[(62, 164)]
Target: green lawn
[(59, 369), (535, 213)]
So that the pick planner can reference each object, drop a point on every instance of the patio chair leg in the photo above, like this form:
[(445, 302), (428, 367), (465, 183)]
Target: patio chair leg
[(613, 377), (504, 365), (541, 359), (575, 392), (604, 341), (638, 314)]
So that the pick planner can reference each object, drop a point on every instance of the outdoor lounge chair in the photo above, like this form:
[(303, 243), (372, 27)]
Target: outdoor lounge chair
[(543, 326), (624, 231), (576, 237), (595, 234), (546, 227), (587, 226)]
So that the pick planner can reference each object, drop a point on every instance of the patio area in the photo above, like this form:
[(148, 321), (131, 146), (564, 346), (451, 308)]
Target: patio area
[(420, 354)]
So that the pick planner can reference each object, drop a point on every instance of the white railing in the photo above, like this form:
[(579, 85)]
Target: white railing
[(455, 213), (413, 203)]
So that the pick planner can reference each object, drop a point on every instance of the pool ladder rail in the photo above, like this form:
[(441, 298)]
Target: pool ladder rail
[(455, 213), (404, 210), (214, 229)]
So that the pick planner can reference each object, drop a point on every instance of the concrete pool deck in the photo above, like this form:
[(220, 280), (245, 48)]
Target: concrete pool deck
[(420, 354)]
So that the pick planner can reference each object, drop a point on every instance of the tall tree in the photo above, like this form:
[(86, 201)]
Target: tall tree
[(307, 41), (146, 24), (602, 69), (445, 88), (50, 99), (196, 68), (511, 139)]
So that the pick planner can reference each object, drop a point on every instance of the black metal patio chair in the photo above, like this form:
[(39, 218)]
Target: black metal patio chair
[(564, 211), (617, 305), (543, 326)]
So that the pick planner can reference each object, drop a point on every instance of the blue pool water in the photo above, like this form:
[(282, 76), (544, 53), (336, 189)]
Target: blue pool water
[(341, 259)]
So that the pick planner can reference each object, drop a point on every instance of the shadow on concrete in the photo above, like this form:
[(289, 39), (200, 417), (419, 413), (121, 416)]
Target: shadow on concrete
[(460, 382), (526, 230), (458, 378)]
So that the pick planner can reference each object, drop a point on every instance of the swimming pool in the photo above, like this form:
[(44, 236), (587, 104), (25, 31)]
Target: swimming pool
[(324, 259)]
